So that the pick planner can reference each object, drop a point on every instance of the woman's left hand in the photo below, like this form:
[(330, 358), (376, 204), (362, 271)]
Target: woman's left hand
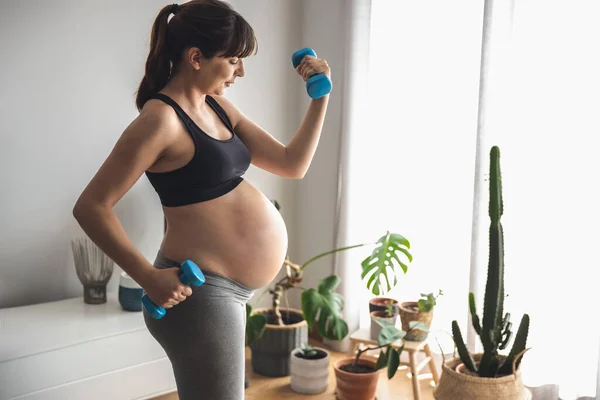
[(311, 66)]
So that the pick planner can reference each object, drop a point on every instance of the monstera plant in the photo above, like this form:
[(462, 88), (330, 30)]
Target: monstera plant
[(321, 310), (379, 265)]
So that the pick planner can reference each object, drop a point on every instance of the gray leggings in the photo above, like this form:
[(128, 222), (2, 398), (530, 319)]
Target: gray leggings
[(204, 337)]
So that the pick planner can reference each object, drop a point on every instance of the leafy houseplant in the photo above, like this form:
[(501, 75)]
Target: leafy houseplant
[(321, 307), (421, 310), (357, 376), (308, 352), (428, 301), (500, 373), (377, 272)]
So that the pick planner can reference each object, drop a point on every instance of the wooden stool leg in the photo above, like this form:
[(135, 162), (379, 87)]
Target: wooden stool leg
[(432, 368), (415, 376)]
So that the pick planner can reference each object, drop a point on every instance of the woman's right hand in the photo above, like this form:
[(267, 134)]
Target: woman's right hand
[(165, 289)]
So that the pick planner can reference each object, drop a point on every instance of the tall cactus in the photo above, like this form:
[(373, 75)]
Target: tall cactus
[(495, 330)]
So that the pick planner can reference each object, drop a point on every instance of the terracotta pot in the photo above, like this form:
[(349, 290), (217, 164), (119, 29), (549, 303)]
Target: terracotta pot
[(461, 385), (381, 303), (351, 386), (375, 327), (271, 354), (408, 315)]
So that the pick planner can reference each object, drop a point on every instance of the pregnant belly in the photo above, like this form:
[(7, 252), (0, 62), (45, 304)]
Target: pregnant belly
[(240, 235)]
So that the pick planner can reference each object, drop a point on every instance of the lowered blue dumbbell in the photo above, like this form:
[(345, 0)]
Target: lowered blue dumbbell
[(190, 275), (317, 85)]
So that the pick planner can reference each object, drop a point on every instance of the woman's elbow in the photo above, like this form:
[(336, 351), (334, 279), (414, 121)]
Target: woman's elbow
[(80, 210), (296, 173), (83, 208)]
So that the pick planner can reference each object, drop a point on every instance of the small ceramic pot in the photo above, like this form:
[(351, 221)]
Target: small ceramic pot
[(381, 303), (130, 293), (380, 316), (310, 376)]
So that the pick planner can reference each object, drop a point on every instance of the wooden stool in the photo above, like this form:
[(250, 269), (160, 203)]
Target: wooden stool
[(364, 336)]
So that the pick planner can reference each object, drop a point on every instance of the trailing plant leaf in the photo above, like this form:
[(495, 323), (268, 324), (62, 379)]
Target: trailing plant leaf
[(329, 284), (428, 301), (388, 357), (307, 350), (418, 325), (389, 334), (383, 260), (382, 360), (328, 306), (393, 361), (255, 325)]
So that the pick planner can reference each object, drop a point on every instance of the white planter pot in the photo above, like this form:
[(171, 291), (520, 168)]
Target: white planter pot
[(309, 376), (376, 328)]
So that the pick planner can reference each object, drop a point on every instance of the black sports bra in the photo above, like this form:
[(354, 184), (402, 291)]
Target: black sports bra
[(216, 168)]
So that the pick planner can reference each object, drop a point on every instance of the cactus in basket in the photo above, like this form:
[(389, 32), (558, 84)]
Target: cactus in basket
[(495, 331)]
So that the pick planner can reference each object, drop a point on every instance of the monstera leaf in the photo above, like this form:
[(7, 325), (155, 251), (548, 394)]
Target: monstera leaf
[(385, 261), (327, 306), (255, 325)]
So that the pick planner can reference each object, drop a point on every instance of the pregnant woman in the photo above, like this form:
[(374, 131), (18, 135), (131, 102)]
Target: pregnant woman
[(194, 145)]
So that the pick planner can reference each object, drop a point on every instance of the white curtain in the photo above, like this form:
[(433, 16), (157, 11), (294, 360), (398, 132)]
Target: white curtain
[(540, 101), (439, 83), (357, 31), (408, 152)]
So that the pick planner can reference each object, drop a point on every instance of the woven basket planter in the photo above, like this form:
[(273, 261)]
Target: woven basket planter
[(408, 315), (454, 385)]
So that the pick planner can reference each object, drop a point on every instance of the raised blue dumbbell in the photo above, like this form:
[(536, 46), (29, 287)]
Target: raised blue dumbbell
[(317, 85), (190, 275)]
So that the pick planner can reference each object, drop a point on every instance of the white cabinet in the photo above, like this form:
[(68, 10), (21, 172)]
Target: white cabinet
[(71, 350)]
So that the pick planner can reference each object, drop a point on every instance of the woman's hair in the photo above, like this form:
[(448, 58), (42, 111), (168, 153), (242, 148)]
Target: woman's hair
[(210, 25)]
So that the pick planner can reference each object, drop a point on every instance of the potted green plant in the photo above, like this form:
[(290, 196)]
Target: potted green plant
[(421, 310), (378, 274), (287, 329), (491, 374), (381, 318), (309, 369), (382, 304), (356, 377)]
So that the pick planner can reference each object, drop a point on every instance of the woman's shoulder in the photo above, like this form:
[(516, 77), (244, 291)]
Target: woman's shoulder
[(156, 113), (155, 121)]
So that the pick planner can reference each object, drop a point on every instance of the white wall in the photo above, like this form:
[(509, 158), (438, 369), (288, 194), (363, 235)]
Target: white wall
[(322, 29), (68, 75)]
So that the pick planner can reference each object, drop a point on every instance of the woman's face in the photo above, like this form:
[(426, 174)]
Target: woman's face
[(219, 73)]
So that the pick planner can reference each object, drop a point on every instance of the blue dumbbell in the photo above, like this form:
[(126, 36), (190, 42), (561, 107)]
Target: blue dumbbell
[(317, 85), (190, 275)]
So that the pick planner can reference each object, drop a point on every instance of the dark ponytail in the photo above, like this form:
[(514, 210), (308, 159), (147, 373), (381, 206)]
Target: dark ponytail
[(158, 65), (210, 25)]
